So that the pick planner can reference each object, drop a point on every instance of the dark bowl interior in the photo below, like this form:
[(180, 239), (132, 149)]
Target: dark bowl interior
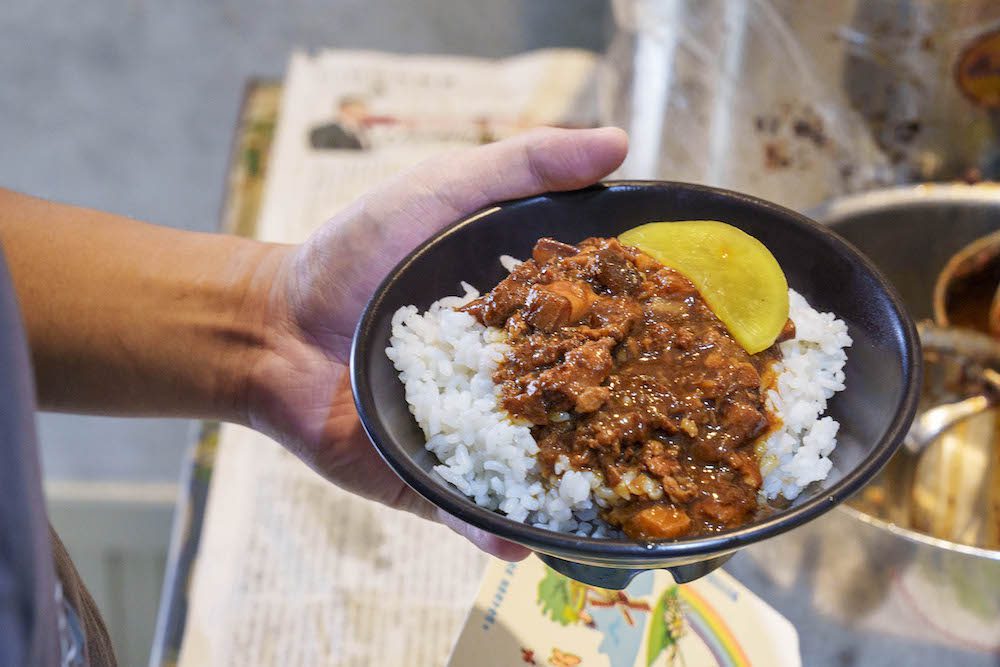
[(874, 411)]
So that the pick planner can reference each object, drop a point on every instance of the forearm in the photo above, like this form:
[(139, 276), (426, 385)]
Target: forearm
[(129, 318)]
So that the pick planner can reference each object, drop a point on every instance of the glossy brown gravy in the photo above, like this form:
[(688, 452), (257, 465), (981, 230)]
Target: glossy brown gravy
[(623, 370)]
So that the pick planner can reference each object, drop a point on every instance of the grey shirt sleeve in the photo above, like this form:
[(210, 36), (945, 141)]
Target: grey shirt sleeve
[(29, 633)]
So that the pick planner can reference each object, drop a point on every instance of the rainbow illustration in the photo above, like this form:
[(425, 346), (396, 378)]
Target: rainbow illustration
[(705, 622)]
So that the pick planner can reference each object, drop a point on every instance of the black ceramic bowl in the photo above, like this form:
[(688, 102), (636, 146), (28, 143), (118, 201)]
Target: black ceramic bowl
[(874, 411)]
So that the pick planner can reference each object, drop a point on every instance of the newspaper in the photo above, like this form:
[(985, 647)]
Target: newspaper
[(292, 571), (350, 120)]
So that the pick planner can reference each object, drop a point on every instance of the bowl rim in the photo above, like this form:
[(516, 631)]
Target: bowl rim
[(464, 508)]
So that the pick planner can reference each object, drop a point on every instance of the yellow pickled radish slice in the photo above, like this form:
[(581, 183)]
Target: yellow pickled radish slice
[(735, 273)]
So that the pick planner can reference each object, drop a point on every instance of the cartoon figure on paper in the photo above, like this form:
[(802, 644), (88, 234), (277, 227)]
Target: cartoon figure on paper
[(621, 618)]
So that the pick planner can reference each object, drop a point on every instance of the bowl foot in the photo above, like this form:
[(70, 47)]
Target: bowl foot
[(618, 578)]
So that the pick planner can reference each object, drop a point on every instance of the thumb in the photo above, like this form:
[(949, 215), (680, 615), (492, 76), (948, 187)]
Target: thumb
[(542, 160), (344, 261), (419, 201)]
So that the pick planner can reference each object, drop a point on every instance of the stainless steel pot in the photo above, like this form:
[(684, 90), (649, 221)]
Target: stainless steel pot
[(855, 569)]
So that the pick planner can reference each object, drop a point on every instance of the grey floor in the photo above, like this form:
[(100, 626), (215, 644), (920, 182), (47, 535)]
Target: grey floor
[(129, 106)]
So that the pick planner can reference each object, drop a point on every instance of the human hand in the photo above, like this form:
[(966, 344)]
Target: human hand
[(298, 390)]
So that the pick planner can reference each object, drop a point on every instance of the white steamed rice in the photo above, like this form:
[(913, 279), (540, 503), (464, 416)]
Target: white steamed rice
[(446, 360)]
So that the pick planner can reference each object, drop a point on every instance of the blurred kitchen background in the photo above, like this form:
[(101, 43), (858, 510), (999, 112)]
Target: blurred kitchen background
[(131, 105)]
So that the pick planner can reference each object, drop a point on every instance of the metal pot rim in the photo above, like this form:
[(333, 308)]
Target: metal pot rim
[(847, 206), (920, 538)]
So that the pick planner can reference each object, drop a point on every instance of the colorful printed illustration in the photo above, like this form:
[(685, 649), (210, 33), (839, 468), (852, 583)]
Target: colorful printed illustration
[(567, 602), (528, 614), (708, 625), (563, 659), (665, 629)]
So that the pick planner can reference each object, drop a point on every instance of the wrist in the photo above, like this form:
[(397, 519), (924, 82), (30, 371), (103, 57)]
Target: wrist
[(255, 331)]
